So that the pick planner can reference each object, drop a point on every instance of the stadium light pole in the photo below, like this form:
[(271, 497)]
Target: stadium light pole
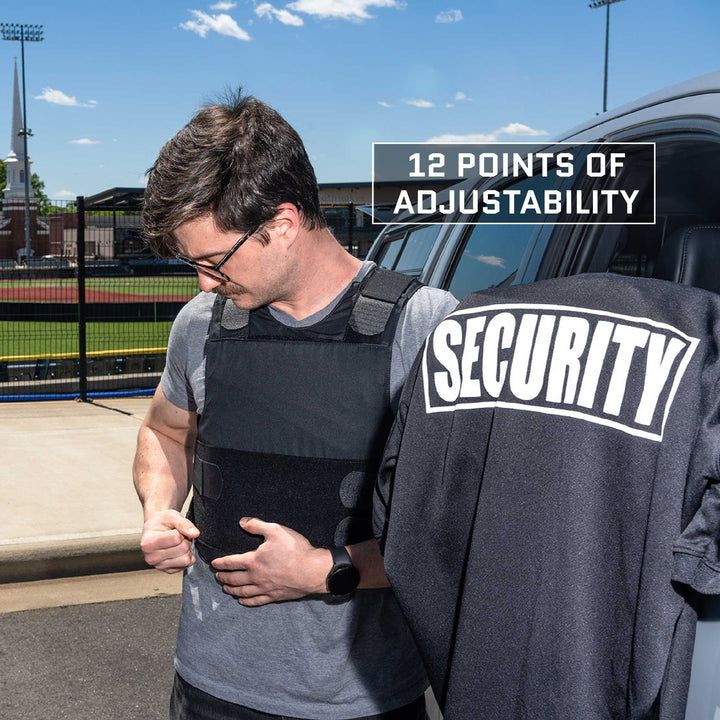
[(606, 4), (24, 33)]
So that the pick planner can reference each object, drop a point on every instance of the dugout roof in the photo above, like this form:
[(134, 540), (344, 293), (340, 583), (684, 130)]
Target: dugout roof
[(116, 199)]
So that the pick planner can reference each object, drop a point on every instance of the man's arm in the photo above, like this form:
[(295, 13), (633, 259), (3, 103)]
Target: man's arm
[(161, 473)]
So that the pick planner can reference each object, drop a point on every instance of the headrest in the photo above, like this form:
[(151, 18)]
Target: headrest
[(691, 256)]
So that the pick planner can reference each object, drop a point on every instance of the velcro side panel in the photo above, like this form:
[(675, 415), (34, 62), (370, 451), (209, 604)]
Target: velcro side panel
[(328, 501)]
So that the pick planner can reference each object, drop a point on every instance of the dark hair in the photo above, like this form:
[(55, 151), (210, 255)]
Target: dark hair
[(238, 160)]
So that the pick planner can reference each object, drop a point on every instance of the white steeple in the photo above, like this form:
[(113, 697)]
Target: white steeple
[(15, 161)]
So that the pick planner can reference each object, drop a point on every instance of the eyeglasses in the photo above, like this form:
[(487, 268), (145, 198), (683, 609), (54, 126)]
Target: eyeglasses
[(214, 271)]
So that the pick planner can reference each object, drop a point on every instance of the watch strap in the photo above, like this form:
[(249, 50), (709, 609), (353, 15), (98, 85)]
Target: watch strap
[(340, 556), (344, 577)]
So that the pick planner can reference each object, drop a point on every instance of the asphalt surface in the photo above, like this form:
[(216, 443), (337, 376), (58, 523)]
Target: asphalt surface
[(110, 660)]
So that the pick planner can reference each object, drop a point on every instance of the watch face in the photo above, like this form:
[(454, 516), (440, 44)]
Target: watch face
[(343, 580)]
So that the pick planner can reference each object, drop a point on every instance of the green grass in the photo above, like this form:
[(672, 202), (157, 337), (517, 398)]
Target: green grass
[(168, 285), (41, 339)]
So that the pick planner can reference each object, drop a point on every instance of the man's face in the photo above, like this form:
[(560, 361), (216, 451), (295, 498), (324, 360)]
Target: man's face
[(257, 272)]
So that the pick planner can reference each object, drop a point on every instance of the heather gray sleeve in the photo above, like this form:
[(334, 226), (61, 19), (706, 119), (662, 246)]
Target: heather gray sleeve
[(183, 379), (425, 309)]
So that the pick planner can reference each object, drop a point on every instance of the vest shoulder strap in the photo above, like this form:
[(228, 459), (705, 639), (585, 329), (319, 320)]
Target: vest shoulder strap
[(377, 309), (373, 318), (228, 320)]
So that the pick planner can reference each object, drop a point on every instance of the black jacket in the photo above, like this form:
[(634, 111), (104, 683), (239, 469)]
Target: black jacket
[(549, 498)]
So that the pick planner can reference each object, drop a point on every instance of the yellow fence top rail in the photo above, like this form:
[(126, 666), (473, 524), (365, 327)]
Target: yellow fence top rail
[(96, 353)]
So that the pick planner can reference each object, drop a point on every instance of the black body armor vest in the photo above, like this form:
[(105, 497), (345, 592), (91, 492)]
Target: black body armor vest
[(295, 419)]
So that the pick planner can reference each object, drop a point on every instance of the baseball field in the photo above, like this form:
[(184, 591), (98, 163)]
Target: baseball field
[(44, 337)]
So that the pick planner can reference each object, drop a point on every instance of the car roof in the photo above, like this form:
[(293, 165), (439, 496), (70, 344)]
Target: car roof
[(702, 85)]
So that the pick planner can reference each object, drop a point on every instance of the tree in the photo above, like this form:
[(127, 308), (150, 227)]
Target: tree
[(38, 186)]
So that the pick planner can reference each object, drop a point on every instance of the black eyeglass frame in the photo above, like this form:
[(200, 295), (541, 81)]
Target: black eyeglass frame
[(214, 271)]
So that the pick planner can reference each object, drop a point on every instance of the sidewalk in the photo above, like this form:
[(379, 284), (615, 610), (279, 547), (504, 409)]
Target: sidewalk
[(68, 503)]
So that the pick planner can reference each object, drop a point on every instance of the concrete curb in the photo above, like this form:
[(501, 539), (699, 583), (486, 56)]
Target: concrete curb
[(43, 560)]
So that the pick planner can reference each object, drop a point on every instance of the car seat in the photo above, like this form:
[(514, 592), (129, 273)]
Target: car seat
[(691, 256)]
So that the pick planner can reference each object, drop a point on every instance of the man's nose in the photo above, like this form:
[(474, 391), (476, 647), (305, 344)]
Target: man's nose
[(207, 283)]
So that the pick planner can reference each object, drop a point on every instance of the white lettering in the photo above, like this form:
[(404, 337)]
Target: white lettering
[(447, 384), (531, 355), (594, 363), (499, 335), (471, 351), (629, 339), (466, 161), (657, 369), (629, 199), (403, 204), (569, 345)]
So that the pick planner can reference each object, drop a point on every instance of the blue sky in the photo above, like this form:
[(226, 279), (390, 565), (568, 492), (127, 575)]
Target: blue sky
[(112, 82)]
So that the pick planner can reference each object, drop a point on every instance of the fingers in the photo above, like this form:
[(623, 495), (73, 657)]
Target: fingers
[(232, 563), (174, 564), (167, 541), (248, 595), (256, 526), (184, 526), (256, 601)]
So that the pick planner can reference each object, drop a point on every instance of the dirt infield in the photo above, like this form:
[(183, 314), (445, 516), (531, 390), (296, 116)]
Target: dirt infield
[(69, 294)]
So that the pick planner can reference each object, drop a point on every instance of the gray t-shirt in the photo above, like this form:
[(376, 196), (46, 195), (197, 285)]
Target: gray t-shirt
[(316, 657)]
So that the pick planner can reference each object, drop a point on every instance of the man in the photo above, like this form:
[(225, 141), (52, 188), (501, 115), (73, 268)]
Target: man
[(554, 469), (274, 404)]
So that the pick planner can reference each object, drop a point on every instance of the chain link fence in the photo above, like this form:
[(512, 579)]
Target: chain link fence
[(91, 316)]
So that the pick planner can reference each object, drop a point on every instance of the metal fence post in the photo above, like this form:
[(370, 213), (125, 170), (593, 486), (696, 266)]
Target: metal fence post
[(351, 224), (82, 323)]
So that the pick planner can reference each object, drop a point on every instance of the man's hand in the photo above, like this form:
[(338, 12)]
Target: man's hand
[(167, 541), (285, 567)]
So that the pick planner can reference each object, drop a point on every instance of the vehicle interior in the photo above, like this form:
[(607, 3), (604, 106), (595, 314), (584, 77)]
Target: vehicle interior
[(687, 215)]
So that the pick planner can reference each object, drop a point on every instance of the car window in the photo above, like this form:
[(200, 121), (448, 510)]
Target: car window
[(417, 249), (491, 254), (688, 187), (388, 253), (407, 251)]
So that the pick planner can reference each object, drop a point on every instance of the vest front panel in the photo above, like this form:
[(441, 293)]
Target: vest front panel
[(292, 432)]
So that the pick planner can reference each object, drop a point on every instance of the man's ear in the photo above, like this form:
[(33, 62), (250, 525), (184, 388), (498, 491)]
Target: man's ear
[(286, 224)]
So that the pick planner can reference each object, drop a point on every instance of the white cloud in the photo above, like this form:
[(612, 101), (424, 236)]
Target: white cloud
[(512, 129), (355, 10), (84, 141), (449, 16), (520, 129), (58, 97), (384, 104), (449, 105), (65, 195), (493, 260), (221, 24), (285, 17), (461, 96), (420, 103), (223, 6), (472, 138)]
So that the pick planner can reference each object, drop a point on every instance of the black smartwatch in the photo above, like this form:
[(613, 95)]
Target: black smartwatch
[(344, 576)]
